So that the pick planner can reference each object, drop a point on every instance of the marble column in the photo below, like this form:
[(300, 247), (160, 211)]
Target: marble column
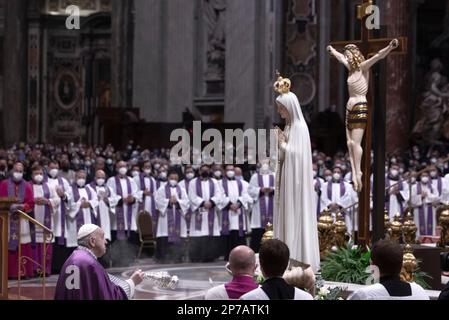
[(397, 17), (15, 89), (252, 33), (122, 53)]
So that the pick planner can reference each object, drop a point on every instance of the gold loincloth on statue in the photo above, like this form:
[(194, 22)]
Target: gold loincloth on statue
[(357, 118)]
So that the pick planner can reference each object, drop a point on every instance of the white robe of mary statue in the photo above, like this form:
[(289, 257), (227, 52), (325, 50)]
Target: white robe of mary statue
[(295, 207)]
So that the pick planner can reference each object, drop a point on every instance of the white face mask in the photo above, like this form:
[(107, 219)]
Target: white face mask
[(53, 173), (109, 161), (433, 174), (81, 182), (157, 166), (173, 183), (394, 173), (147, 171), (100, 181), (163, 175), (343, 167), (230, 174), (122, 171), (38, 178), (336, 176), (217, 174), (190, 175), (425, 180), (265, 167), (314, 173), (135, 173), (88, 163), (329, 178), (18, 176), (413, 180)]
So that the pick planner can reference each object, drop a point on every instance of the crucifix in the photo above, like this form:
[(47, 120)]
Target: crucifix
[(361, 110)]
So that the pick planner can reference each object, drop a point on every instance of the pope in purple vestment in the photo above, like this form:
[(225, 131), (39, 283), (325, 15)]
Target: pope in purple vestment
[(82, 277)]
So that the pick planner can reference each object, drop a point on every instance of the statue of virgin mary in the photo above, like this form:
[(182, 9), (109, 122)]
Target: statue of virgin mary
[(295, 208)]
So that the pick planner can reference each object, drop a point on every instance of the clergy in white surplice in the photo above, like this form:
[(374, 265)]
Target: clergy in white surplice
[(46, 202), (397, 192), (317, 183), (107, 201), (189, 175), (60, 251), (233, 211), (83, 208), (438, 183), (424, 200), (336, 195), (261, 189), (147, 190), (123, 223), (205, 195), (173, 204)]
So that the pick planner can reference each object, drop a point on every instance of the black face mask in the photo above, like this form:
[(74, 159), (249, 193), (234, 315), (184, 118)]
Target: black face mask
[(205, 174)]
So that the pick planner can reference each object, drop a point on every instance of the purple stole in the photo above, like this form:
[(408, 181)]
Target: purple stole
[(119, 210), (225, 217), (329, 189), (318, 205), (143, 187), (211, 214), (15, 220), (61, 240), (189, 212), (400, 187), (173, 217), (239, 286), (266, 214), (425, 229), (108, 194), (80, 215)]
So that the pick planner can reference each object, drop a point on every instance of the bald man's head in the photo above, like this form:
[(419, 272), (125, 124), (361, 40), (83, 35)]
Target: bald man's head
[(242, 261)]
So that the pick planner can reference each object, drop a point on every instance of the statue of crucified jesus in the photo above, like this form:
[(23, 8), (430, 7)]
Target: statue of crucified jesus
[(357, 107)]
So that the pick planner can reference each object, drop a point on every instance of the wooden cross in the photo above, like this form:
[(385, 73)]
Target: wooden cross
[(369, 47)]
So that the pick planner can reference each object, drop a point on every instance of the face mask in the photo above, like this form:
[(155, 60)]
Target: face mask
[(157, 166), (38, 178), (163, 175), (320, 162), (425, 180), (230, 174), (343, 167), (190, 175), (314, 174), (393, 160), (329, 178), (53, 173), (413, 180), (433, 160), (122, 171), (336, 176), (109, 161), (394, 173), (100, 181), (265, 167), (135, 173), (401, 171), (433, 174), (173, 183), (17, 176), (217, 174), (147, 171), (88, 163), (81, 182)]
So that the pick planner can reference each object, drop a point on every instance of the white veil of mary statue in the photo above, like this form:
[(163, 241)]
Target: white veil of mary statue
[(295, 208)]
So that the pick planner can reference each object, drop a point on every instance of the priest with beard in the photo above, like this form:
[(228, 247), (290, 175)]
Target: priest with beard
[(82, 277)]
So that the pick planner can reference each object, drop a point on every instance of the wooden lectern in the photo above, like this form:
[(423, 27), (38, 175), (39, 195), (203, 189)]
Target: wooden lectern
[(5, 204)]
